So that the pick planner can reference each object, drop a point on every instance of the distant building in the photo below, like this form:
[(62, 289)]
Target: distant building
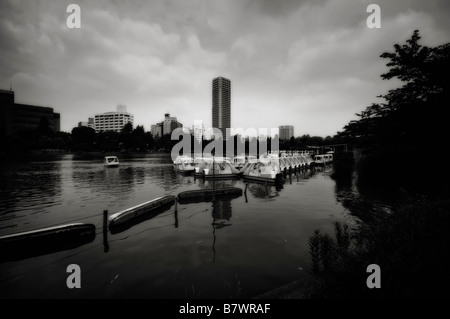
[(15, 117), (89, 123), (170, 123), (157, 129), (167, 126), (286, 132), (198, 130), (113, 121), (221, 105)]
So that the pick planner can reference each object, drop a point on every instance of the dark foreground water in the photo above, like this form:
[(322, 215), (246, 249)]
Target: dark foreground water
[(235, 248)]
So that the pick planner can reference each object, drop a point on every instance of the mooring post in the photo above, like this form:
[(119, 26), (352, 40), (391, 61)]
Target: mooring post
[(105, 231), (214, 181), (176, 212)]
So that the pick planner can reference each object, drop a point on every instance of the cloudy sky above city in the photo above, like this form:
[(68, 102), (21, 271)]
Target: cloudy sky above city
[(311, 64)]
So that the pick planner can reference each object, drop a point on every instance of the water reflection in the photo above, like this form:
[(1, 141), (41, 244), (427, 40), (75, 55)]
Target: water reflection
[(28, 189), (262, 191), (182, 242), (362, 200), (221, 214)]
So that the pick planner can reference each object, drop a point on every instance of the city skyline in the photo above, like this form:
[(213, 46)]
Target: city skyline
[(310, 64)]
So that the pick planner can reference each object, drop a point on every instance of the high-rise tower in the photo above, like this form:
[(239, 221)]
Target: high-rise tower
[(221, 105)]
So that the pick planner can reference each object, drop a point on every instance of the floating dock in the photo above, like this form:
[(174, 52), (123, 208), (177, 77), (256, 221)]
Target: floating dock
[(206, 195), (44, 241), (127, 218)]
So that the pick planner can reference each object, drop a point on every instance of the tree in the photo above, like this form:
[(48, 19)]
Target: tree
[(83, 138), (412, 120), (149, 140), (127, 128), (138, 142)]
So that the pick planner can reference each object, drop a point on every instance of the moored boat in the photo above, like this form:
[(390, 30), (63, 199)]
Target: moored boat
[(220, 168), (184, 164), (266, 169), (241, 160), (308, 159), (323, 159), (199, 165), (111, 161)]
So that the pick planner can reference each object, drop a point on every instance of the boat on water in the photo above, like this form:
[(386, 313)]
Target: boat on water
[(111, 161), (266, 169), (323, 159), (309, 159), (184, 164), (219, 168), (198, 164), (240, 161)]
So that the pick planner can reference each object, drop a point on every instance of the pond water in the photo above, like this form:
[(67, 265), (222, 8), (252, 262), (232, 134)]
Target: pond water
[(232, 248)]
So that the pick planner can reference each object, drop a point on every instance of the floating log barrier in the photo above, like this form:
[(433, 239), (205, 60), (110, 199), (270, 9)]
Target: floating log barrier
[(45, 241), (105, 231), (127, 218), (206, 195)]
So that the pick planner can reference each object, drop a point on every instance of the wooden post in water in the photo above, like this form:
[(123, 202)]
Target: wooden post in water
[(105, 231), (176, 212), (245, 192), (214, 181)]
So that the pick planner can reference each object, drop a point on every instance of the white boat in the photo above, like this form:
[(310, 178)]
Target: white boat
[(198, 164), (240, 161), (309, 160), (183, 164), (219, 168), (323, 159), (266, 169), (111, 161)]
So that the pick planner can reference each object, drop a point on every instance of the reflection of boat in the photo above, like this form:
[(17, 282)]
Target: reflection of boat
[(111, 161), (45, 241), (219, 169), (259, 190), (127, 218), (266, 169), (183, 164)]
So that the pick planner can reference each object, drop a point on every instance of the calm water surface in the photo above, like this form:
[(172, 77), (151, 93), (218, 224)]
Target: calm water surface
[(233, 248)]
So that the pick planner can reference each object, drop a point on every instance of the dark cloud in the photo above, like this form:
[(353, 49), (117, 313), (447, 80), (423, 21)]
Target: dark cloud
[(312, 64)]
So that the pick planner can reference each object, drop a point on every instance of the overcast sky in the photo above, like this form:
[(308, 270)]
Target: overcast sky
[(311, 64)]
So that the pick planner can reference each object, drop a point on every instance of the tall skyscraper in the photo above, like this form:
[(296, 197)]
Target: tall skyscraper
[(221, 105), (286, 132)]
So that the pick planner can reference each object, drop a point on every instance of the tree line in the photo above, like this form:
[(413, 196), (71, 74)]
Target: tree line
[(136, 139)]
